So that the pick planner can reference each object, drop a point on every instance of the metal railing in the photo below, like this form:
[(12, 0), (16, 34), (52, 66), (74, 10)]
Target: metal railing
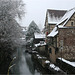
[(10, 66)]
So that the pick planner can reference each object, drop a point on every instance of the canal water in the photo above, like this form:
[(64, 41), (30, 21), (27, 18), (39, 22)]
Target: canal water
[(26, 65)]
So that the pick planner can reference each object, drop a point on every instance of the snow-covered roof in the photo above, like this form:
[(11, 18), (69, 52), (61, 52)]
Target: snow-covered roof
[(52, 23), (47, 61), (36, 45), (68, 62), (39, 35), (67, 16), (53, 33), (53, 20), (61, 26), (55, 15)]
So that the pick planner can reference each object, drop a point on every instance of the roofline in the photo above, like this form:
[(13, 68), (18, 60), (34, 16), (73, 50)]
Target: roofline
[(52, 23), (52, 36), (69, 18), (67, 27), (66, 19), (57, 9)]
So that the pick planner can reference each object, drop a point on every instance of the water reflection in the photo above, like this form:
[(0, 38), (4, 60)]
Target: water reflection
[(29, 63), (26, 66)]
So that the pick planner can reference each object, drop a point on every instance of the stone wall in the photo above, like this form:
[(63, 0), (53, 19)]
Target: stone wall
[(67, 43)]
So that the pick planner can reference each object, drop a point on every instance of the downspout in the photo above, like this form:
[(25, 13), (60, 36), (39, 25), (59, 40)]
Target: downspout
[(56, 35)]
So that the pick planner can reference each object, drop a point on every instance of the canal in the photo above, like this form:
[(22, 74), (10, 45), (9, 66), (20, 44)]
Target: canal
[(26, 65)]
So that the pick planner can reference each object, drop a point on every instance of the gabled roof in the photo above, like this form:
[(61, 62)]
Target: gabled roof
[(67, 16), (55, 15), (39, 36)]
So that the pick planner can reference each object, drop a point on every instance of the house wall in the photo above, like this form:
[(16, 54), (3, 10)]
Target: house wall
[(57, 41), (48, 27), (51, 27), (62, 23), (67, 43), (72, 19), (52, 55)]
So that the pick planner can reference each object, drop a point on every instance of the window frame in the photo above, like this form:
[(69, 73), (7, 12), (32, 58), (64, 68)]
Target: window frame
[(72, 23)]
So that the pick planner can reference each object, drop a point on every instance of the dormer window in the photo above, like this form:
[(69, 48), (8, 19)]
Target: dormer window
[(72, 23)]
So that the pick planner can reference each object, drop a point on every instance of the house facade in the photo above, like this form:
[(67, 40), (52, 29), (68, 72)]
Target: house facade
[(67, 36), (67, 43), (62, 38), (52, 18)]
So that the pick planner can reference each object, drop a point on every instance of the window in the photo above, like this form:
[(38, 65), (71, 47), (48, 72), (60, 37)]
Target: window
[(56, 50), (50, 51), (72, 24)]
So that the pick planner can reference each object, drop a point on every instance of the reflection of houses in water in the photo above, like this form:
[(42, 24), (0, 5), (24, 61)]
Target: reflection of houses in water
[(34, 66), (29, 63)]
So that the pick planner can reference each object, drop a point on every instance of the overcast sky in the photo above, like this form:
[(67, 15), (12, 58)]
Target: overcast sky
[(36, 10)]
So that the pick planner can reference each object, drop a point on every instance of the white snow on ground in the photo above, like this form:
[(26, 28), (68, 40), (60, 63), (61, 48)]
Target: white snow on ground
[(68, 62), (37, 55), (36, 45), (47, 61), (54, 67), (57, 68), (40, 57)]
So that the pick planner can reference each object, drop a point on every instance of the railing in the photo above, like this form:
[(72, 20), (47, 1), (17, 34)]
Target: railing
[(10, 66)]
